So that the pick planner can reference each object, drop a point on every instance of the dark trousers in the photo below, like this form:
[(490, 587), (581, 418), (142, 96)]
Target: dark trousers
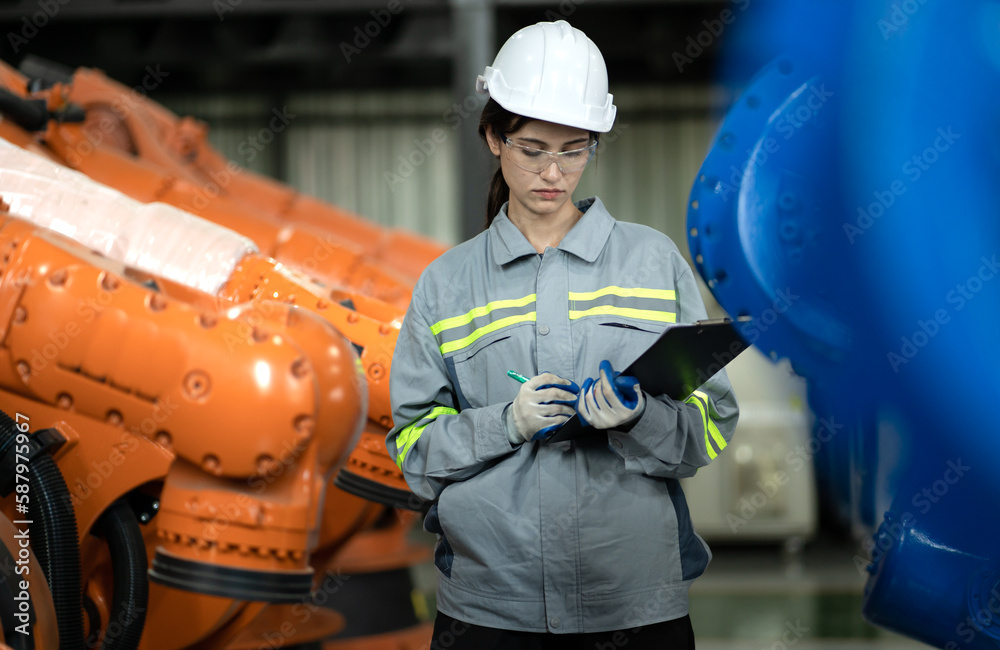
[(452, 634)]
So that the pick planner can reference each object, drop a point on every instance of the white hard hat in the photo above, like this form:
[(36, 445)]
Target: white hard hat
[(552, 72)]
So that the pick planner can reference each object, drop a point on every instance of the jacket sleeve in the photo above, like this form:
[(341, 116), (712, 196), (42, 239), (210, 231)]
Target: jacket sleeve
[(673, 438), (433, 441)]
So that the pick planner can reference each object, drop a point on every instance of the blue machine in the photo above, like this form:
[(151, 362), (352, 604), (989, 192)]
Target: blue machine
[(850, 205)]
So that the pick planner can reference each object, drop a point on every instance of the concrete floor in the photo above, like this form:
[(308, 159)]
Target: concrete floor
[(765, 598), (762, 598)]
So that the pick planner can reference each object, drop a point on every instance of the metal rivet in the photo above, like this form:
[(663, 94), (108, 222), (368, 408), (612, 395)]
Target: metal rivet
[(110, 282), (58, 278), (197, 384), (265, 465), (300, 368), (304, 424), (156, 302)]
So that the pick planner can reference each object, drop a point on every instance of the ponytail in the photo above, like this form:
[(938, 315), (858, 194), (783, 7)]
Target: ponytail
[(500, 120), (499, 194)]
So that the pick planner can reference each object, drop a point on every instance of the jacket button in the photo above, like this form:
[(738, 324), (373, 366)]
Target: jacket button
[(554, 621), (543, 329)]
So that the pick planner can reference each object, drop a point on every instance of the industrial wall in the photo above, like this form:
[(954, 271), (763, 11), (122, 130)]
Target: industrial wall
[(391, 156)]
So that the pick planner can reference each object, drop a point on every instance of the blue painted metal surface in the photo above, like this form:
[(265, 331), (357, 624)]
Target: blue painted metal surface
[(850, 205)]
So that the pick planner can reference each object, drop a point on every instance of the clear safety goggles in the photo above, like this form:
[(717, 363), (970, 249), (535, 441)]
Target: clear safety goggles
[(538, 160)]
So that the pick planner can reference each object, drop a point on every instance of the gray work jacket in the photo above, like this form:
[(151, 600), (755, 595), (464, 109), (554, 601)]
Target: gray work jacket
[(568, 537)]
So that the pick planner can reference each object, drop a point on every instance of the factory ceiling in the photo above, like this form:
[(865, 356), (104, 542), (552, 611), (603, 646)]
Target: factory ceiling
[(245, 45)]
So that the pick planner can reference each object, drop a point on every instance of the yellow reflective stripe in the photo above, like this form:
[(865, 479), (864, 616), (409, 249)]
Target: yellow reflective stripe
[(465, 319), (720, 442), (641, 314), (700, 400), (663, 294), (451, 346), (409, 434)]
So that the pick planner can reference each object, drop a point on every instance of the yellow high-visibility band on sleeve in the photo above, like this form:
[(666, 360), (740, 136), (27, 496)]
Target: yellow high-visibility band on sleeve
[(712, 432), (411, 433)]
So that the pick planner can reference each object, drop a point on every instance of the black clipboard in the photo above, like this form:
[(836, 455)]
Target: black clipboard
[(682, 359)]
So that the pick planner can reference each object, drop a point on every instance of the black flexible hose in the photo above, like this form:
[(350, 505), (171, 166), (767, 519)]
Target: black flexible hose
[(54, 539), (29, 114), (55, 529), (119, 526)]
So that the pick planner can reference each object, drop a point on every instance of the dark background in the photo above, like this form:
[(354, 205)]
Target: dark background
[(285, 45)]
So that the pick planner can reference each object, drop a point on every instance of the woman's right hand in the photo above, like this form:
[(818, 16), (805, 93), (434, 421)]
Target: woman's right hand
[(542, 405)]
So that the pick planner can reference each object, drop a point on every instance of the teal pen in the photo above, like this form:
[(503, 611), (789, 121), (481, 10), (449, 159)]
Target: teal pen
[(514, 375)]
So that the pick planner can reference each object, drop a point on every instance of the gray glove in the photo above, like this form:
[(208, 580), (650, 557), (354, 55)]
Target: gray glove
[(612, 400), (542, 405)]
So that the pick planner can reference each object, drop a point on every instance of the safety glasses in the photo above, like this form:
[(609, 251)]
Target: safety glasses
[(538, 160)]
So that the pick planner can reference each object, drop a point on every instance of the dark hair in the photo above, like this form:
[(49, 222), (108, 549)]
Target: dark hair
[(502, 121)]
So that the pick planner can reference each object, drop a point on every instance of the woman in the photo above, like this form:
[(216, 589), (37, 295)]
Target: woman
[(584, 543)]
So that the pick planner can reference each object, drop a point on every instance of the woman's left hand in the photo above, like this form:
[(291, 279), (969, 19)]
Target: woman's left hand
[(606, 403)]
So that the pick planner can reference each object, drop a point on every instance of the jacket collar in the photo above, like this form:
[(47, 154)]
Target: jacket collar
[(585, 240)]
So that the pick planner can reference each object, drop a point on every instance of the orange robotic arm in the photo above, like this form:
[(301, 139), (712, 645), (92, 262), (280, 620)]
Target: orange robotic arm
[(244, 400), (261, 291), (137, 233), (140, 148)]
